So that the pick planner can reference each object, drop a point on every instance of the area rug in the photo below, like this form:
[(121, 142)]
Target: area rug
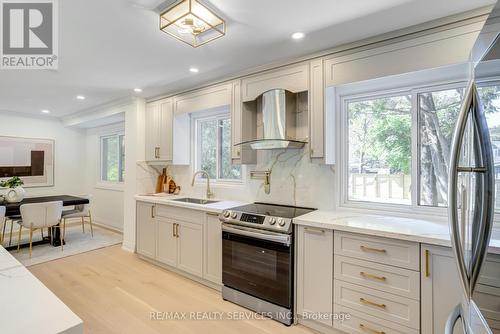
[(76, 243)]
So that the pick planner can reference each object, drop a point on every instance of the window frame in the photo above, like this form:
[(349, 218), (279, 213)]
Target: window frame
[(216, 114), (343, 99), (121, 162)]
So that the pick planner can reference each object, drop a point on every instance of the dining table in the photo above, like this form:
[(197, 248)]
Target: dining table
[(14, 209)]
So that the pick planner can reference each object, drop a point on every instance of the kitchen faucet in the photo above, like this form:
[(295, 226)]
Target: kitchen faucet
[(209, 192)]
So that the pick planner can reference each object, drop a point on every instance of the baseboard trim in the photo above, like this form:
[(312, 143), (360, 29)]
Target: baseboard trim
[(128, 246), (181, 273)]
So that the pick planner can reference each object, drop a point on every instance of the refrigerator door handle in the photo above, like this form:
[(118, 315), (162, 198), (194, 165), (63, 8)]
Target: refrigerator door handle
[(458, 248), (486, 180), (452, 319)]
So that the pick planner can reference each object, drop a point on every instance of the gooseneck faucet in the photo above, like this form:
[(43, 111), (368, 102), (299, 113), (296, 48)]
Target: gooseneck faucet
[(209, 192)]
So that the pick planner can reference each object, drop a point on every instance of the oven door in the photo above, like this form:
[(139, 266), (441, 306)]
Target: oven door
[(258, 263)]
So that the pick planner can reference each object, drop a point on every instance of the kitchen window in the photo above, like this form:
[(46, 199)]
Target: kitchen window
[(399, 139), (379, 149), (213, 148), (113, 158)]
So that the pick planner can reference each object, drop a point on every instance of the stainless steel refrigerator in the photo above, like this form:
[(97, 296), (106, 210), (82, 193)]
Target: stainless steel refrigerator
[(471, 191)]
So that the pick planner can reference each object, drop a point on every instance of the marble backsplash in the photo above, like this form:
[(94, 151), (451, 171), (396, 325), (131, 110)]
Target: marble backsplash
[(295, 180)]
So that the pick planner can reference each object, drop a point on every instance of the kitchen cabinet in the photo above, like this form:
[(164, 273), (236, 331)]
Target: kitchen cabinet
[(146, 229), (440, 288), (159, 130), (204, 99), (190, 247), (185, 239), (294, 78), (166, 251), (236, 122), (315, 273), (316, 110), (213, 249)]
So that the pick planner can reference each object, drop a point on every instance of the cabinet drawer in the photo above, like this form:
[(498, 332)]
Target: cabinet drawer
[(392, 252), (403, 311), (176, 213), (488, 300), (360, 323), (402, 282)]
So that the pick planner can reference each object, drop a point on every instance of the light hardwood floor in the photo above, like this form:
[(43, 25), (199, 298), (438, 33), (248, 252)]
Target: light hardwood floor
[(114, 291)]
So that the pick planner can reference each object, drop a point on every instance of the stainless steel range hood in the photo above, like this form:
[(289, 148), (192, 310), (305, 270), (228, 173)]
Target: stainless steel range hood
[(279, 122)]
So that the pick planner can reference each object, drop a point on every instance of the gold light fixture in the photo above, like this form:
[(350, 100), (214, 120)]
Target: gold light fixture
[(191, 22)]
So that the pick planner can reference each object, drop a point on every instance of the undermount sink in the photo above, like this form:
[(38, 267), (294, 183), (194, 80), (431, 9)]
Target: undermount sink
[(194, 200)]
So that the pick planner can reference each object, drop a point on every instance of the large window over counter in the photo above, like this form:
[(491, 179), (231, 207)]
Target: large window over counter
[(113, 158), (213, 147), (397, 146), (379, 163)]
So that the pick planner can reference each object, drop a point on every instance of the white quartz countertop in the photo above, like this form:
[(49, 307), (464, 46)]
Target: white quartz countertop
[(30, 307), (417, 230), (168, 199)]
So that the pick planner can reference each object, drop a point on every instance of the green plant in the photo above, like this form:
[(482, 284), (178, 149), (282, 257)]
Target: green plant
[(13, 182)]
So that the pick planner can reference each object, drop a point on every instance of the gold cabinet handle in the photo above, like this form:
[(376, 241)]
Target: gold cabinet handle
[(152, 211), (370, 249), (314, 230), (378, 278), (370, 330), (173, 230), (367, 302), (177, 230), (238, 153), (427, 271)]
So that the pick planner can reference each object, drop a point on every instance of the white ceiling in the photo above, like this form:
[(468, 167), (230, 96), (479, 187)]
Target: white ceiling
[(107, 48)]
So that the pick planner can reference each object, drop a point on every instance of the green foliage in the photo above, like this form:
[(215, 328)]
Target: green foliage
[(13, 182)]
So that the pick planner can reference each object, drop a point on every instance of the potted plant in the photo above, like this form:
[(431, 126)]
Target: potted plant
[(13, 191)]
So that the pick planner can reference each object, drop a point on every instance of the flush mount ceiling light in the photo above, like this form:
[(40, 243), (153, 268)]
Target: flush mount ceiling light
[(191, 22), (137, 90), (194, 70), (80, 97), (298, 35), (45, 111)]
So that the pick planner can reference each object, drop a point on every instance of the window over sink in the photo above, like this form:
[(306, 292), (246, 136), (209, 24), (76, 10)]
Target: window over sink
[(213, 146)]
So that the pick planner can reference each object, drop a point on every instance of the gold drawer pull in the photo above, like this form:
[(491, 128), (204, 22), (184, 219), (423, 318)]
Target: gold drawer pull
[(370, 249), (369, 330), (367, 302), (379, 278)]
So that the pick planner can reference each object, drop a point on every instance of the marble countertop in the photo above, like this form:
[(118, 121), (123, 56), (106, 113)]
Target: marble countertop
[(417, 230), (29, 306), (168, 199)]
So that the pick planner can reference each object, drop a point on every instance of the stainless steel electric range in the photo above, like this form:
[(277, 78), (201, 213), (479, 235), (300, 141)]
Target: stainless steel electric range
[(258, 258)]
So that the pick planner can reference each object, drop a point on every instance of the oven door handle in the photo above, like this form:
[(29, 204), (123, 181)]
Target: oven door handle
[(262, 235)]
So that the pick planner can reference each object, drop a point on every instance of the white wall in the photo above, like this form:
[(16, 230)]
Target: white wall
[(107, 200), (69, 150)]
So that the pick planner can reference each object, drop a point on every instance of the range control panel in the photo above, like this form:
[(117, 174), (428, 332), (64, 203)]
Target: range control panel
[(278, 224)]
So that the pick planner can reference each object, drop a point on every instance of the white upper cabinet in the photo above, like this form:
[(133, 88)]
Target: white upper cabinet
[(204, 99), (436, 49), (159, 130), (294, 78), (317, 109)]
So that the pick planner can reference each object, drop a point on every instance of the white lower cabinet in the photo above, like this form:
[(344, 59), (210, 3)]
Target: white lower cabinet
[(213, 249), (166, 251), (440, 286), (185, 239), (146, 229), (190, 247), (315, 274)]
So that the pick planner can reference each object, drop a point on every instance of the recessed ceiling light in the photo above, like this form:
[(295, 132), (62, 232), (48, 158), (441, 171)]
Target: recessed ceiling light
[(298, 35), (137, 90), (80, 97), (194, 70), (45, 111)]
